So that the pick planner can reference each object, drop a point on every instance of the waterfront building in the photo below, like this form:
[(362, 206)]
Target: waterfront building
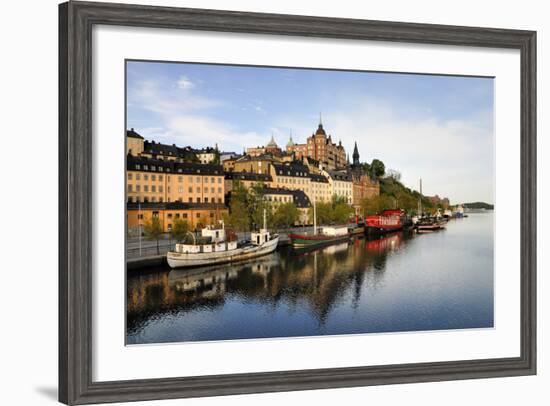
[(341, 184), (278, 196), (320, 147), (363, 185), (292, 176), (320, 188), (160, 181), (196, 215), (247, 179)]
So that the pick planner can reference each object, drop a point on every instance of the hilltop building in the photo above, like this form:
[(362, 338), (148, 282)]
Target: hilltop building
[(270, 148), (320, 147)]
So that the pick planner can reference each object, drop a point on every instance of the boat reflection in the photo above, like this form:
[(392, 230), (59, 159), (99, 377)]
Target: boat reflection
[(314, 279)]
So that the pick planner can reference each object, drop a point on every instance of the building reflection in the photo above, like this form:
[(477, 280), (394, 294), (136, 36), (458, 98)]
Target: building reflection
[(312, 279)]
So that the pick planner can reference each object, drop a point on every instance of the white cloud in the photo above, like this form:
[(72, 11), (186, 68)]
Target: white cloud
[(185, 84)]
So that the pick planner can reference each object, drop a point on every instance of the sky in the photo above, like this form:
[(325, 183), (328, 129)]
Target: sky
[(438, 128)]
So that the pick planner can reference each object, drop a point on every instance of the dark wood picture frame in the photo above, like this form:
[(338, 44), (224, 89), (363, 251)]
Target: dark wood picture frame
[(76, 20)]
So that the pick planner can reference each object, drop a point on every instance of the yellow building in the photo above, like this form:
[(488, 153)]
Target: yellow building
[(164, 181), (278, 196), (294, 176), (320, 188), (254, 164), (247, 179), (341, 184), (196, 215)]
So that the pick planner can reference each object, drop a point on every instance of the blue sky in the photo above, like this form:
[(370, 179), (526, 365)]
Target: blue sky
[(439, 128)]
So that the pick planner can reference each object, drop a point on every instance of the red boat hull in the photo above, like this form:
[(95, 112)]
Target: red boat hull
[(387, 221)]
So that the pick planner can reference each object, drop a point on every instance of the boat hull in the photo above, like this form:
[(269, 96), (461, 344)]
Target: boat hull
[(189, 260), (301, 241)]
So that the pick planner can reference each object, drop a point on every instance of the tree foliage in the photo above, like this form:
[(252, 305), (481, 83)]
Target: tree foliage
[(179, 229), (337, 211), (153, 230), (377, 168), (286, 215)]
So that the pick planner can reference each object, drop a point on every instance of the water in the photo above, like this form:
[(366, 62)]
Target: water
[(402, 282)]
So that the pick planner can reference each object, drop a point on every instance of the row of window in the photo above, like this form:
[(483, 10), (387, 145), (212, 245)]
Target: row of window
[(154, 199), (180, 178), (145, 167)]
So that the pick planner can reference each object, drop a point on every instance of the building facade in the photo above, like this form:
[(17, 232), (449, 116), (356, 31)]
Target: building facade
[(320, 147), (196, 215), (159, 181)]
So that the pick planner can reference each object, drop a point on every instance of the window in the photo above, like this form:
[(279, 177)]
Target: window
[(190, 179), (180, 189), (190, 189), (161, 189), (219, 190), (138, 176), (198, 199), (206, 199), (145, 188), (145, 177), (211, 214), (219, 180), (140, 216), (212, 190), (219, 200), (177, 215), (160, 176), (205, 180), (153, 189), (198, 190), (129, 188), (137, 166), (212, 180), (138, 188), (198, 215), (154, 178), (190, 200), (180, 179), (184, 215), (198, 179), (130, 176)]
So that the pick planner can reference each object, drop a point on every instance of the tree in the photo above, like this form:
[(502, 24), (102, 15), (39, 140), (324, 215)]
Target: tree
[(153, 231), (257, 203), (179, 229), (376, 204), (238, 218), (378, 168), (286, 215)]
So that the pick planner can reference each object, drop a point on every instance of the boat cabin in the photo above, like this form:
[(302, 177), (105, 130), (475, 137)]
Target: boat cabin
[(260, 237)]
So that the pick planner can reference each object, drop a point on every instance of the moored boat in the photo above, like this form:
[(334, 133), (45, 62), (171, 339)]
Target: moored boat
[(385, 222), (324, 235), (216, 247)]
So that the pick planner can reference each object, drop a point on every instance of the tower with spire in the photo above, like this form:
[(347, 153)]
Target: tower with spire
[(355, 155)]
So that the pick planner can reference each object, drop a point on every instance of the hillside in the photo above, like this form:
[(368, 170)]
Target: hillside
[(479, 205)]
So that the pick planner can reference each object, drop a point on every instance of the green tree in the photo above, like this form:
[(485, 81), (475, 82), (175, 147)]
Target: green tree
[(238, 218), (257, 203), (179, 229), (153, 231), (378, 168), (376, 204), (286, 215)]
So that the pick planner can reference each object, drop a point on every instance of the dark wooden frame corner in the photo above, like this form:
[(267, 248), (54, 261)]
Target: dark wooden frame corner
[(76, 20)]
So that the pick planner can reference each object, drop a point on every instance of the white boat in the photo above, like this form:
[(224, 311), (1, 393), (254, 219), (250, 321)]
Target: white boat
[(219, 249)]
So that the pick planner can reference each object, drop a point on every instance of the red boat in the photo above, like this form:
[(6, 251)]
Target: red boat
[(385, 222)]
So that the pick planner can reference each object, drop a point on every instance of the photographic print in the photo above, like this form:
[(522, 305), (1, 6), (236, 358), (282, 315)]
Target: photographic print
[(271, 202)]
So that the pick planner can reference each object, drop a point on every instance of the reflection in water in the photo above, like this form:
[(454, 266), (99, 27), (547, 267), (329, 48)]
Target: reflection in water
[(387, 284)]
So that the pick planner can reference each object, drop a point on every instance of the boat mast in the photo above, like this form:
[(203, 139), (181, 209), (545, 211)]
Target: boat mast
[(420, 200), (265, 222)]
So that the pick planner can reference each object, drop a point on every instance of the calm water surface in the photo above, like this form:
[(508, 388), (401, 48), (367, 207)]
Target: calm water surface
[(402, 282)]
